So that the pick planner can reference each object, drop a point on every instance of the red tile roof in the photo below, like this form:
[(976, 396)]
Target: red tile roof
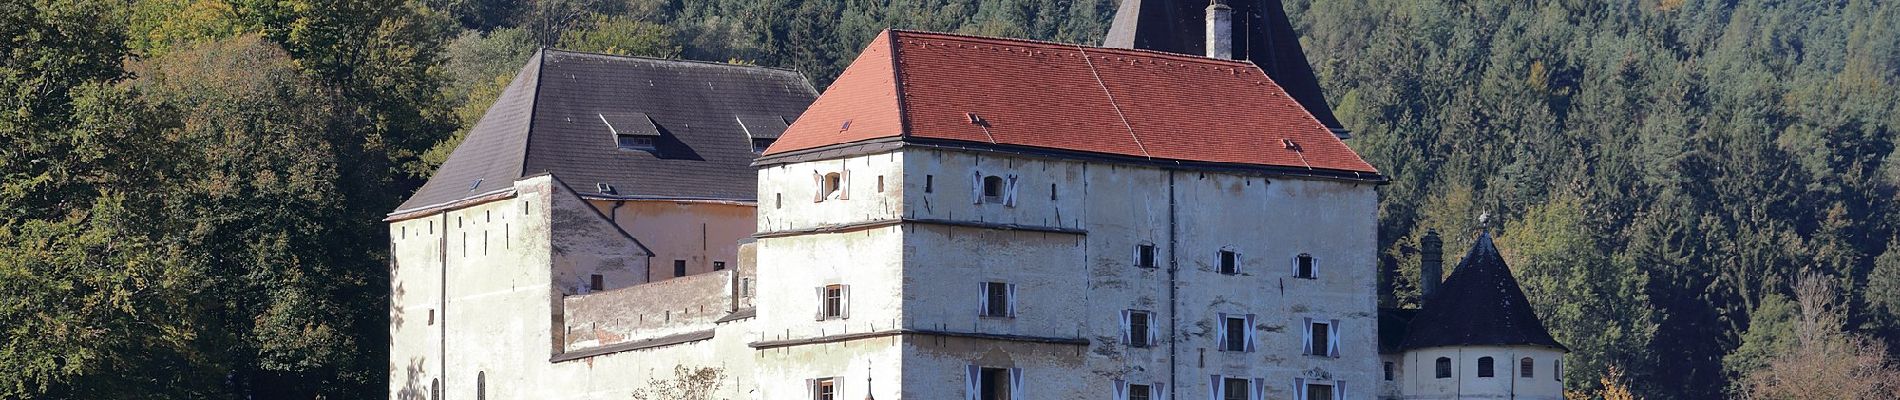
[(1066, 97)]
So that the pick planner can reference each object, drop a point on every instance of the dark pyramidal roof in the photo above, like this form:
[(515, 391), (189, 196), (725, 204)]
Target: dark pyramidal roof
[(560, 113), (1479, 305), (1262, 34)]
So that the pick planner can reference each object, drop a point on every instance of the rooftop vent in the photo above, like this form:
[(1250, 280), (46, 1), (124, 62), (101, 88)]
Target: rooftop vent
[(606, 188), (476, 184)]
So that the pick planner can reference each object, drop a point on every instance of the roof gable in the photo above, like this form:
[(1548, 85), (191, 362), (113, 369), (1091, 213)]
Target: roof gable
[(1480, 304), (1134, 103)]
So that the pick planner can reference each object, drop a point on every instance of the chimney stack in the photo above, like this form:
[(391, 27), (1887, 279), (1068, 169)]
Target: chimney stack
[(1431, 264), (1220, 30)]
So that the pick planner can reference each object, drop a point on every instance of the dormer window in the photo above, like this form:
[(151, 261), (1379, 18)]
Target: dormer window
[(632, 131), (763, 130)]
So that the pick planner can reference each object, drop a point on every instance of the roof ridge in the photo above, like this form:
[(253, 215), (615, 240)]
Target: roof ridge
[(666, 60), (897, 83), (1099, 49), (534, 98)]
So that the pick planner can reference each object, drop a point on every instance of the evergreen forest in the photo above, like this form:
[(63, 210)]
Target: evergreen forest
[(1700, 197)]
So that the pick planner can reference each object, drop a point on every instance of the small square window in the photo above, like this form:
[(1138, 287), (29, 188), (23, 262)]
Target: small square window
[(596, 283), (719, 265), (1145, 256), (994, 384), (824, 389), (679, 268), (1234, 389), (1236, 334), (1318, 391), (997, 300), (1140, 392), (1229, 262), (834, 301)]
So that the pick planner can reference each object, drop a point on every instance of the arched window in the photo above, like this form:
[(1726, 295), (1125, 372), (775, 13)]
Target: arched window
[(1444, 367), (832, 183), (481, 385), (435, 389), (1525, 368), (992, 189), (1485, 365), (1557, 369)]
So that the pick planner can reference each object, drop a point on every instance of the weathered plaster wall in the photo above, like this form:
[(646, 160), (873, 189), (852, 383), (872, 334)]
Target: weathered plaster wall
[(700, 233), (1420, 379), (646, 311), (788, 193)]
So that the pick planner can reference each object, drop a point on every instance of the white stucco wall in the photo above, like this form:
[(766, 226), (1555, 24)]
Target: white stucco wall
[(697, 232), (1420, 379)]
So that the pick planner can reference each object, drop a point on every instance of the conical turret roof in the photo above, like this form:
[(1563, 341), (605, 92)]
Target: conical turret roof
[(1479, 305), (1262, 34)]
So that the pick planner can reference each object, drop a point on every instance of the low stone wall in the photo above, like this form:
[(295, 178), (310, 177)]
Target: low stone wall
[(647, 311)]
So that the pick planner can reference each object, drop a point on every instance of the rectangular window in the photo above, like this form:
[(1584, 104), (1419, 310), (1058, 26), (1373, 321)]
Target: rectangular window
[(1320, 338), (832, 301), (1320, 331), (1234, 389), (1486, 366), (995, 384), (1443, 367), (679, 268), (1305, 267), (1316, 391), (1052, 191), (824, 389), (1236, 334), (635, 142), (1145, 256), (1138, 329), (1388, 370), (719, 265), (1229, 262), (759, 145), (880, 184), (930, 183), (1557, 370), (999, 300), (1525, 366), (596, 283), (1141, 392)]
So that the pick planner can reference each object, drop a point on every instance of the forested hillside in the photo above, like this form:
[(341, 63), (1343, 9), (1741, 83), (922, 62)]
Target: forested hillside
[(1701, 194)]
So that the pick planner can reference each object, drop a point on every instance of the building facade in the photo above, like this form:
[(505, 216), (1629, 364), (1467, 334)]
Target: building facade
[(957, 217)]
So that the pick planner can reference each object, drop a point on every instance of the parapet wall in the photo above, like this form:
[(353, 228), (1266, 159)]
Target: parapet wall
[(647, 311)]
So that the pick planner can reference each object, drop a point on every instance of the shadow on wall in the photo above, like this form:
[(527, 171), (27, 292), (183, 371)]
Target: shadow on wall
[(413, 388)]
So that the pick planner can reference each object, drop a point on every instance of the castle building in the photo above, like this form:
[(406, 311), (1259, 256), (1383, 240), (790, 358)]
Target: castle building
[(956, 217)]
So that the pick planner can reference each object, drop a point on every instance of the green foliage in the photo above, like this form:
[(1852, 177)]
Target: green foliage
[(623, 36), (1589, 301)]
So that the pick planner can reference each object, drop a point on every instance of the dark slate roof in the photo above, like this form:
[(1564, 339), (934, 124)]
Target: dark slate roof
[(1392, 322), (555, 118), (1262, 34), (1479, 305)]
